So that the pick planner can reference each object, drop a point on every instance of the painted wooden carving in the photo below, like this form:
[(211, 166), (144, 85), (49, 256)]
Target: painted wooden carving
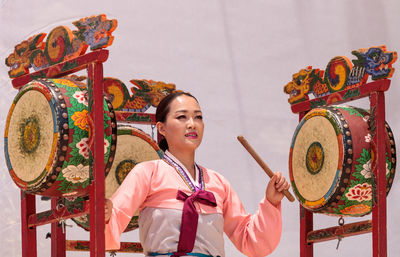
[(61, 45), (146, 93), (341, 74), (125, 247), (333, 233)]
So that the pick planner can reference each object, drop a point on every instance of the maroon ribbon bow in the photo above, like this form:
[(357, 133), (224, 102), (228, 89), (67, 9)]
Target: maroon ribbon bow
[(190, 218)]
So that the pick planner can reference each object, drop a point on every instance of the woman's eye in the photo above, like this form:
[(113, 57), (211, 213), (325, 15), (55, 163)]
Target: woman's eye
[(199, 117), (181, 117)]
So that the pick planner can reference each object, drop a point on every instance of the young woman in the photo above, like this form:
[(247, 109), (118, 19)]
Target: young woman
[(185, 208)]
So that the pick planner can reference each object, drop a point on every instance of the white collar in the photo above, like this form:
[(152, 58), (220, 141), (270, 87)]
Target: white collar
[(196, 170)]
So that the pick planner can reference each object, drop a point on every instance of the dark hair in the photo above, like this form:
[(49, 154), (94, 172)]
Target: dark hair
[(163, 110)]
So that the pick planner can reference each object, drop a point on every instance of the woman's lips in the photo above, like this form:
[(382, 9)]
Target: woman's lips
[(192, 135)]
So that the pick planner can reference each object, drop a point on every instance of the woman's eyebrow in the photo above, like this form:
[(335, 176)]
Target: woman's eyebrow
[(186, 111)]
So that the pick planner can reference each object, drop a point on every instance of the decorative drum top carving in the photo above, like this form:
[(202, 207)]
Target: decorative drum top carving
[(61, 45)]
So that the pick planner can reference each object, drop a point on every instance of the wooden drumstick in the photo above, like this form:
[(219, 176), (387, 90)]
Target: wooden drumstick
[(263, 165)]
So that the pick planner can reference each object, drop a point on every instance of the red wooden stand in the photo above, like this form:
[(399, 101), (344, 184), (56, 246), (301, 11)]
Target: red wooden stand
[(93, 62), (375, 92)]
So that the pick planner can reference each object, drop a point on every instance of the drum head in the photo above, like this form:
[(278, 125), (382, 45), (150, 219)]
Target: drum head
[(316, 167), (315, 156), (133, 147), (31, 135)]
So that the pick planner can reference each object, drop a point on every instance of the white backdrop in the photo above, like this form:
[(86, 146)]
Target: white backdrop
[(235, 56)]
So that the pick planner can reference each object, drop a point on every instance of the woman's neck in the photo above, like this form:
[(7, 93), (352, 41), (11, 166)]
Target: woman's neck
[(186, 158)]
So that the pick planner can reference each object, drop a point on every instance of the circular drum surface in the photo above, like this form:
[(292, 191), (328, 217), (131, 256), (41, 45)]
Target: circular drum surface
[(330, 161), (133, 146), (316, 176), (47, 136)]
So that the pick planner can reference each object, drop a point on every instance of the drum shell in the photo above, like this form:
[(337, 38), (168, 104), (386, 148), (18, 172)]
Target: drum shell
[(350, 193), (64, 170), (127, 151)]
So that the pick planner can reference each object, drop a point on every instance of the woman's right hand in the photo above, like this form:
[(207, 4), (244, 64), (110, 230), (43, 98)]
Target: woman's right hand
[(108, 209)]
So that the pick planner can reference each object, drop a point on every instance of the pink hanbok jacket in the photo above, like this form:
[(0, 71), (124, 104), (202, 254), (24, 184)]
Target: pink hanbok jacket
[(151, 188)]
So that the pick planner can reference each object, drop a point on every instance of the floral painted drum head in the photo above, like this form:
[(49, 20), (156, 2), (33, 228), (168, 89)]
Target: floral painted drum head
[(47, 138), (330, 161)]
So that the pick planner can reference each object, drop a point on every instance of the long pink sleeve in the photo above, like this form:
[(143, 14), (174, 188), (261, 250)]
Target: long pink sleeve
[(254, 235), (126, 201)]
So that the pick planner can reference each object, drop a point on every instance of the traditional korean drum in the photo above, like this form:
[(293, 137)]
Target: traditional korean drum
[(133, 146), (330, 161), (47, 138)]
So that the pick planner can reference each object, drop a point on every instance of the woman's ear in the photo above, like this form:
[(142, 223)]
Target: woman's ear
[(160, 128)]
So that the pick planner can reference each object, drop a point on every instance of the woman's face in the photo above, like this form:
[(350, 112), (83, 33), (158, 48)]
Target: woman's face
[(183, 127)]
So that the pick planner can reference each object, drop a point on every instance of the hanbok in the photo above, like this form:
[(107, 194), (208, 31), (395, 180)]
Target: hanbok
[(152, 188)]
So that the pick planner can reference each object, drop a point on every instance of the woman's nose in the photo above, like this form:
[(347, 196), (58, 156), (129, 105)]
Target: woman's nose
[(191, 123)]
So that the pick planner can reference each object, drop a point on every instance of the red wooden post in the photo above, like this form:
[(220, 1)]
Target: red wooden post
[(57, 235), (306, 224), (28, 235), (97, 224), (379, 230)]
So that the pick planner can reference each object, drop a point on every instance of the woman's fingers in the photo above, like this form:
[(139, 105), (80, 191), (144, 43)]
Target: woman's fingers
[(284, 186), (281, 182), (275, 188)]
